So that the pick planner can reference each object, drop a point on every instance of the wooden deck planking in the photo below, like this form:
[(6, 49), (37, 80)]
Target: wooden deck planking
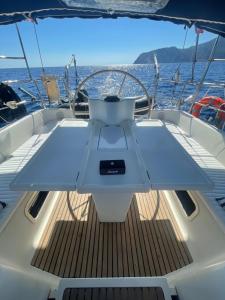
[(146, 293), (75, 244)]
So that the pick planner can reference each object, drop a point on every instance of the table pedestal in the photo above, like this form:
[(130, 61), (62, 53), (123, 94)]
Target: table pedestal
[(112, 207)]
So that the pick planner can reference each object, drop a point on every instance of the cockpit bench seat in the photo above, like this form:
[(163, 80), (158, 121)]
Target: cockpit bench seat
[(12, 164), (213, 168)]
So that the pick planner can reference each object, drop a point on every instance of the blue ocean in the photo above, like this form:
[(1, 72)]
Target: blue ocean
[(167, 94)]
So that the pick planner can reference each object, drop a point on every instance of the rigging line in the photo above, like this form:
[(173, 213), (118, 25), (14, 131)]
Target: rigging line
[(176, 75), (4, 120), (207, 92), (195, 56), (77, 78), (162, 79), (27, 64), (39, 50), (184, 43), (201, 82), (180, 100)]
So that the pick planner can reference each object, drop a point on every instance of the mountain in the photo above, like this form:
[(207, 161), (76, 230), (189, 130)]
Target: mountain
[(174, 55)]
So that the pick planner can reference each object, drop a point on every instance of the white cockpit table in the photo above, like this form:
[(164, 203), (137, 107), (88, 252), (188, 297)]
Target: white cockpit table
[(56, 165), (70, 158), (168, 164)]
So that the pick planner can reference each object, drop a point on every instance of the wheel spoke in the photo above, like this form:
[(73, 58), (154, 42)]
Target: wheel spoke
[(121, 86)]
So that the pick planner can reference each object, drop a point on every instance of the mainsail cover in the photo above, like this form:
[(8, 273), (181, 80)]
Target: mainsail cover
[(206, 14)]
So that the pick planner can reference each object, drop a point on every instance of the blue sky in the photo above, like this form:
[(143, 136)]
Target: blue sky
[(94, 42)]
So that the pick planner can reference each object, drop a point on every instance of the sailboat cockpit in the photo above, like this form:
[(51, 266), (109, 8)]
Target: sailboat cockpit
[(113, 201)]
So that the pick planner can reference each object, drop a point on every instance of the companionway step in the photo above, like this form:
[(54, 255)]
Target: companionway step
[(151, 288)]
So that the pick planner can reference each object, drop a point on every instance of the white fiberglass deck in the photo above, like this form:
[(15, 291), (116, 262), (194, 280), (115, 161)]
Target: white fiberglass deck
[(150, 147)]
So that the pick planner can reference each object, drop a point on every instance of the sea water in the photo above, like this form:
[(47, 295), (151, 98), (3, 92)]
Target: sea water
[(167, 92)]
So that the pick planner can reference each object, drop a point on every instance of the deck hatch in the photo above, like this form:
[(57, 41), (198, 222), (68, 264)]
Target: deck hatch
[(38, 203), (186, 202), (112, 137)]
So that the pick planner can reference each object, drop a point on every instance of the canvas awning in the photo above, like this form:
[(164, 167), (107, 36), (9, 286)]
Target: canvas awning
[(209, 15)]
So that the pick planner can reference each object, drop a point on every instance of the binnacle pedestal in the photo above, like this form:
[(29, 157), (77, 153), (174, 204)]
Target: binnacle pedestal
[(112, 171), (112, 207)]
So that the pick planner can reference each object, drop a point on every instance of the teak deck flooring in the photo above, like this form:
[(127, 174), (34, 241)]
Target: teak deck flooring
[(75, 244), (147, 293)]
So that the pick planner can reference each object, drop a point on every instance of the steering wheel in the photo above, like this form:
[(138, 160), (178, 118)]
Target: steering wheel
[(125, 76)]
